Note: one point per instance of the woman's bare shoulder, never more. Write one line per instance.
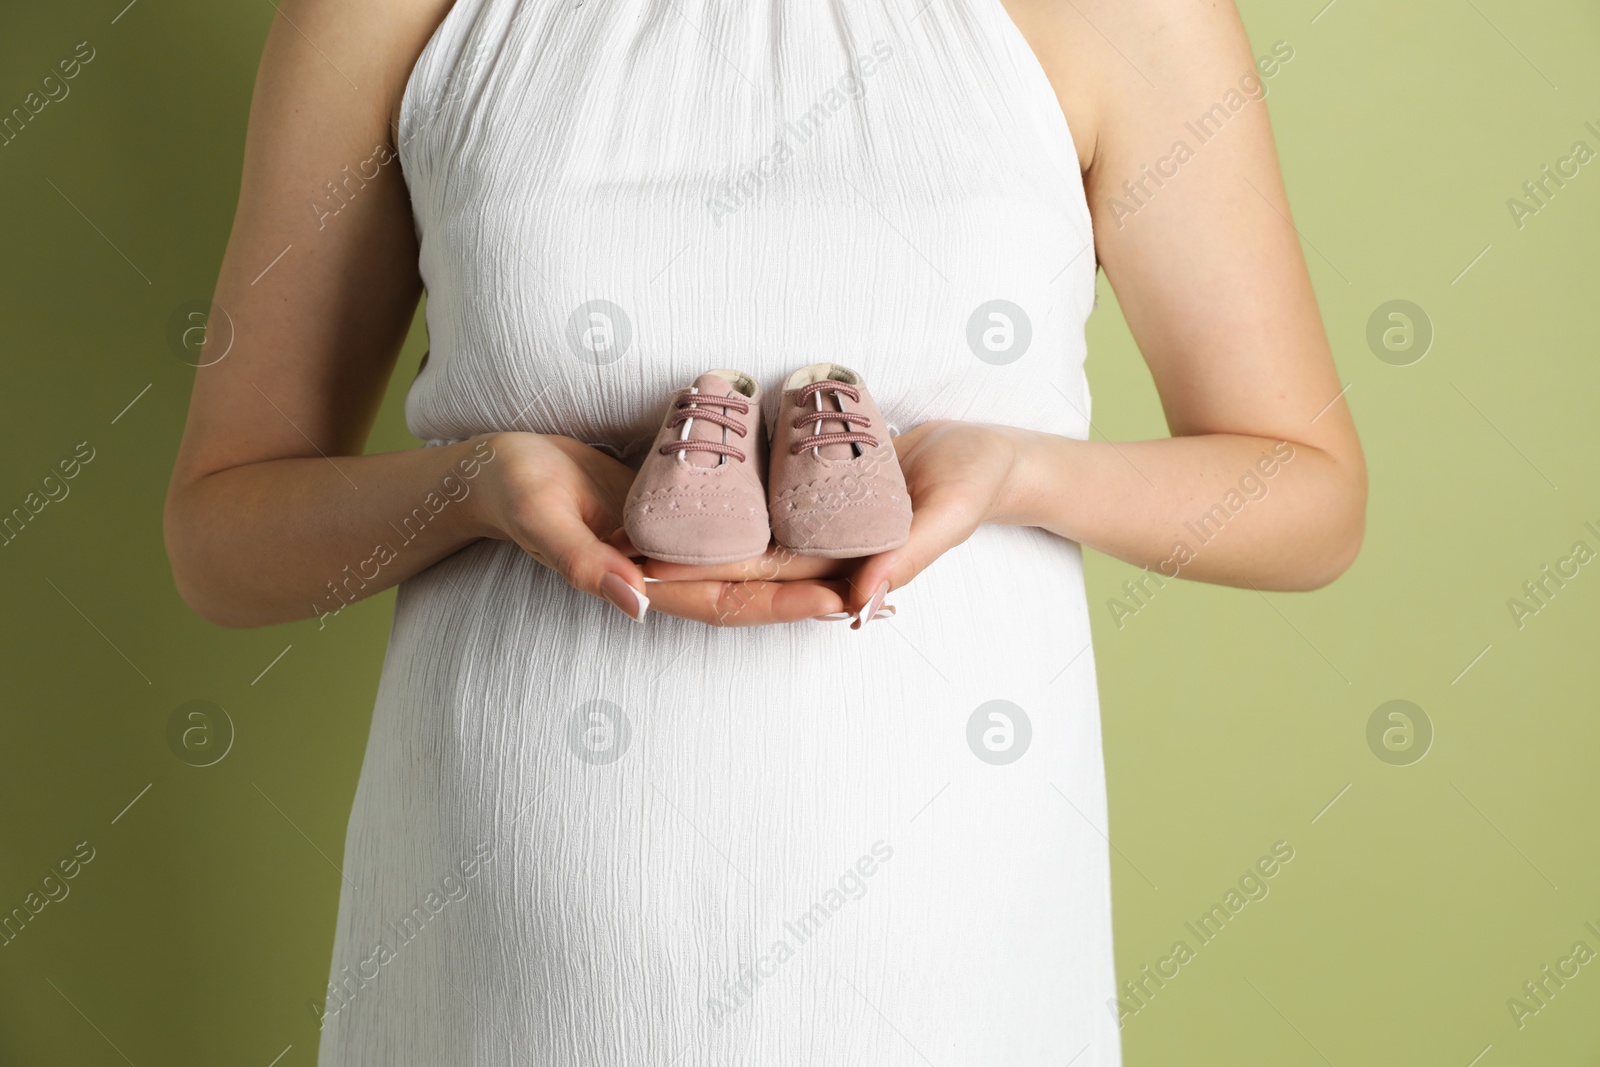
(1102, 55)
(369, 45)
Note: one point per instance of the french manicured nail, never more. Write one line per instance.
(869, 611)
(628, 600)
(837, 616)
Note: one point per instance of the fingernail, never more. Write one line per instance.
(628, 600)
(869, 611)
(837, 616)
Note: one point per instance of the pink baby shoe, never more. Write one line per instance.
(700, 495)
(835, 488)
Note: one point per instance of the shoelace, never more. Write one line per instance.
(689, 407)
(805, 393)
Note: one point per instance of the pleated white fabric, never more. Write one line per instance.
(581, 840)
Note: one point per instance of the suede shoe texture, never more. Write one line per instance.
(700, 494)
(835, 488)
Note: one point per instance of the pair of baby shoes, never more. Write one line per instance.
(717, 487)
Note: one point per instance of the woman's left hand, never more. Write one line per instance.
(959, 475)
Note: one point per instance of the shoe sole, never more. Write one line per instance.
(847, 553)
(673, 557)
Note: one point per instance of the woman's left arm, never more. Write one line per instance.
(1262, 482)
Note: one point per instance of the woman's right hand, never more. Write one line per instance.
(561, 500)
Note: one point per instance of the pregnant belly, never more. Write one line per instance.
(758, 838)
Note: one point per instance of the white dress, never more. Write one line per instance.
(579, 840)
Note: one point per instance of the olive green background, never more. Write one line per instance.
(1420, 897)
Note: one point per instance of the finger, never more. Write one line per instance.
(936, 527)
(619, 540)
(748, 603)
(887, 611)
(567, 545)
(776, 564)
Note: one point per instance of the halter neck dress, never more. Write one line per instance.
(581, 840)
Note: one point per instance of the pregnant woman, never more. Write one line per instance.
(791, 810)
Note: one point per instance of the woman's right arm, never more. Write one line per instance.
(273, 512)
(270, 498)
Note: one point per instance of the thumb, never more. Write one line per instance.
(568, 546)
(936, 527)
